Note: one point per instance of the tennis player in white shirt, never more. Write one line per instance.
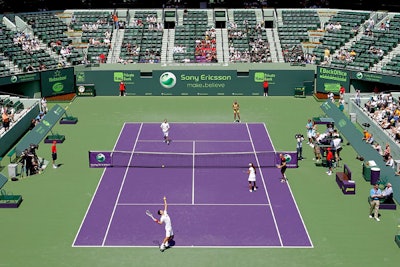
(252, 177)
(165, 129)
(169, 233)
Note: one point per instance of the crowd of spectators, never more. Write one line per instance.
(205, 49)
(248, 43)
(385, 110)
(26, 42)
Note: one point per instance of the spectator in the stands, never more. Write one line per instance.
(366, 135)
(33, 124)
(115, 21)
(6, 121)
(389, 162)
(102, 58)
(386, 152)
(378, 148)
(370, 139)
(11, 114)
(357, 98)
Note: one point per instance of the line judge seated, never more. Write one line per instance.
(387, 194)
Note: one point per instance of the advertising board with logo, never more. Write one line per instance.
(85, 90)
(57, 82)
(195, 82)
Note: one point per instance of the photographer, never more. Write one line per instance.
(30, 161)
(299, 146)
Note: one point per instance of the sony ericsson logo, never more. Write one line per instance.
(100, 157)
(168, 80)
(359, 75)
(14, 79)
(288, 158)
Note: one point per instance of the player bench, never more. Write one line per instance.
(386, 203)
(8, 200)
(343, 179)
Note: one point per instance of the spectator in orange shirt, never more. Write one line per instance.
(366, 136)
(115, 20)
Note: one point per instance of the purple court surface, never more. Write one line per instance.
(209, 206)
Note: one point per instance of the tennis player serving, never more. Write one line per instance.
(169, 233)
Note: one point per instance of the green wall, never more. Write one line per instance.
(195, 82)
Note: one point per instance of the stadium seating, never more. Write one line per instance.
(295, 28)
(193, 28)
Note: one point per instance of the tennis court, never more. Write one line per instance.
(203, 174)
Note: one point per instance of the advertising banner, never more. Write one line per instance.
(21, 78)
(330, 80)
(57, 82)
(195, 82)
(85, 90)
(100, 159)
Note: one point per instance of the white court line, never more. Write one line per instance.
(200, 141)
(95, 191)
(265, 187)
(195, 204)
(293, 198)
(193, 170)
(121, 187)
(199, 247)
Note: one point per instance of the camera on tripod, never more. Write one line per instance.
(32, 148)
(299, 137)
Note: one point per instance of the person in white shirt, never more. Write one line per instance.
(252, 177)
(390, 161)
(378, 148)
(169, 233)
(165, 129)
(387, 191)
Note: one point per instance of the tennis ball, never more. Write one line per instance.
(162, 166)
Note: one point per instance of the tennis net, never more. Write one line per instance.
(181, 160)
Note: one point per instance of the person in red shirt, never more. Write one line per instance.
(122, 89)
(329, 159)
(102, 58)
(342, 90)
(54, 154)
(265, 85)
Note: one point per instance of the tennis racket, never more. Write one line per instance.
(148, 213)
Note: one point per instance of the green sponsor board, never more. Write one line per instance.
(375, 77)
(330, 79)
(195, 82)
(280, 82)
(200, 83)
(107, 82)
(21, 78)
(85, 90)
(57, 82)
